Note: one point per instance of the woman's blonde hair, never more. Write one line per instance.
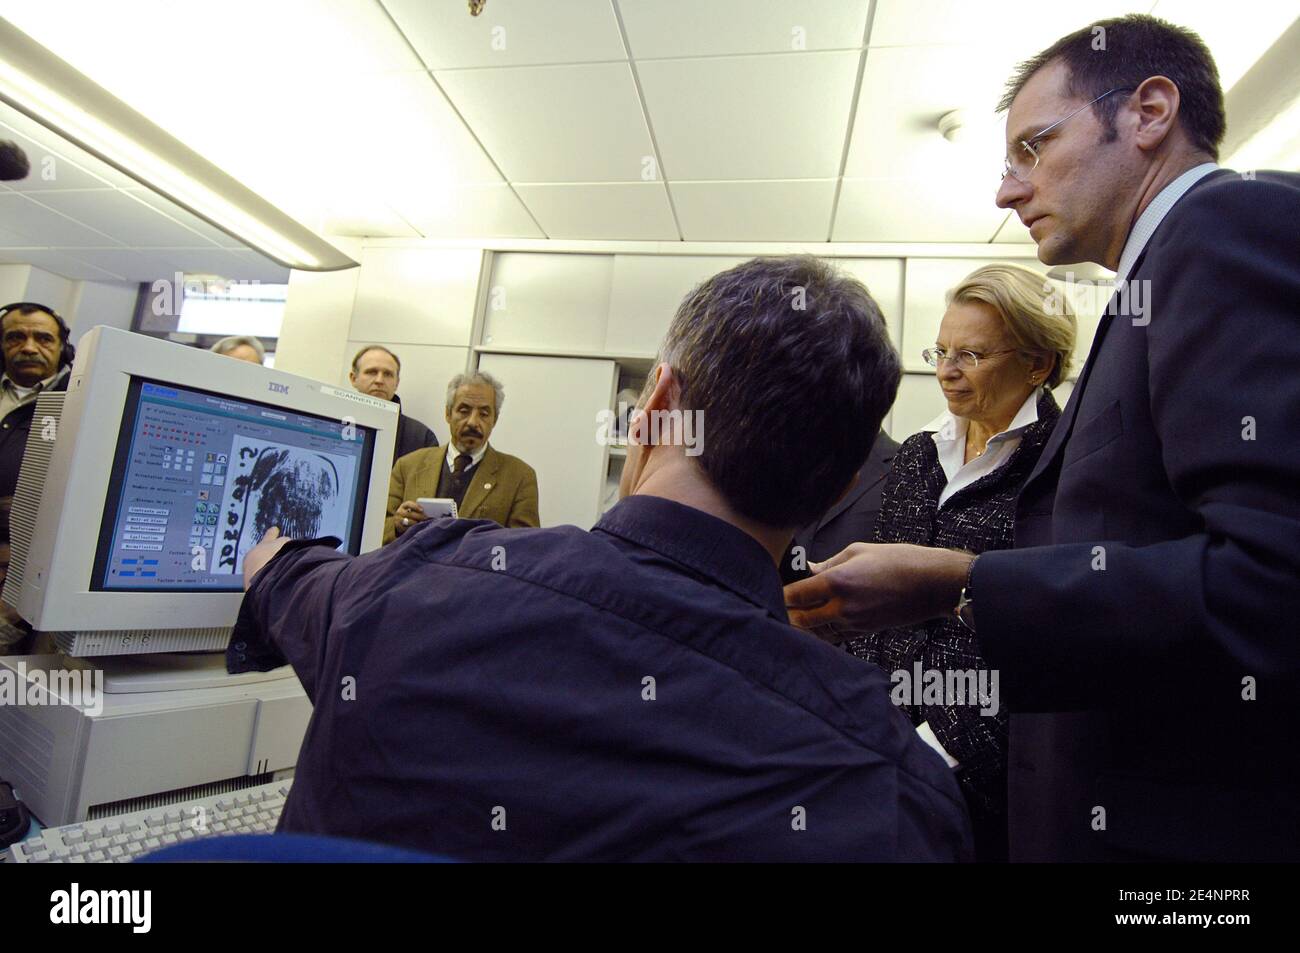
(1037, 313)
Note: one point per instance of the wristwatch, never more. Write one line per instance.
(964, 610)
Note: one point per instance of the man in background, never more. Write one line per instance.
(485, 483)
(377, 371)
(37, 357)
(241, 347)
(635, 692)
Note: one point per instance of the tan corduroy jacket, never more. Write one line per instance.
(503, 488)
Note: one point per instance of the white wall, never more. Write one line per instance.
(83, 304)
(418, 302)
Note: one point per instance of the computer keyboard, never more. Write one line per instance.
(124, 837)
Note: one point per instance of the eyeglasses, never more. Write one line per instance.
(1024, 158)
(934, 356)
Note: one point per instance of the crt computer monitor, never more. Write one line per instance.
(168, 465)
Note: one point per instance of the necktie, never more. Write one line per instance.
(462, 461)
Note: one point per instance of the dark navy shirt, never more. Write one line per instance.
(631, 693)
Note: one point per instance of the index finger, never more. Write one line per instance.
(806, 593)
(827, 612)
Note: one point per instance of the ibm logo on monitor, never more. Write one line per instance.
(278, 388)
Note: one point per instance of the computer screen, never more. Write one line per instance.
(198, 478)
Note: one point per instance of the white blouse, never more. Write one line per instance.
(950, 441)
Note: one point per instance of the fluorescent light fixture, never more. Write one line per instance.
(37, 83)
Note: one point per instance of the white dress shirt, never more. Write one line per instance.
(1154, 214)
(454, 451)
(950, 442)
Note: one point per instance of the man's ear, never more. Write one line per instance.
(662, 396)
(352, 378)
(1157, 101)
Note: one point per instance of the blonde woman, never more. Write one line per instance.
(1004, 343)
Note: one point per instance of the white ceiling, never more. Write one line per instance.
(725, 120)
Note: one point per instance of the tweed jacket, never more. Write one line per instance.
(976, 518)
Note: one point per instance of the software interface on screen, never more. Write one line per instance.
(198, 479)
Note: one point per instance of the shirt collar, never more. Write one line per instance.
(948, 428)
(454, 451)
(7, 381)
(1154, 214)
(711, 547)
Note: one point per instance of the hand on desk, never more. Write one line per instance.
(873, 586)
(262, 553)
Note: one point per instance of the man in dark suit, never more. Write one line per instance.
(377, 371)
(1144, 627)
(851, 520)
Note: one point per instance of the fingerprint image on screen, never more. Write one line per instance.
(301, 491)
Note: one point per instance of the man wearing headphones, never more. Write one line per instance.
(37, 357)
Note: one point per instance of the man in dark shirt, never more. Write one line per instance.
(38, 356)
(377, 371)
(634, 692)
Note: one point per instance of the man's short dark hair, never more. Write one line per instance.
(791, 365)
(1136, 47)
(67, 352)
(356, 361)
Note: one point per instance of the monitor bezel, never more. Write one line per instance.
(56, 595)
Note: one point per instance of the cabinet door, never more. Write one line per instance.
(553, 409)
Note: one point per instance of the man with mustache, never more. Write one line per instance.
(37, 357)
(485, 483)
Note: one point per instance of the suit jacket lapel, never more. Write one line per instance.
(875, 459)
(435, 472)
(1060, 434)
(483, 477)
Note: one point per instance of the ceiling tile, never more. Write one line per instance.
(798, 211)
(896, 135)
(555, 123)
(45, 226)
(192, 222)
(250, 266)
(665, 28)
(50, 169)
(509, 32)
(127, 263)
(470, 211)
(73, 167)
(750, 117)
(914, 210)
(377, 221)
(999, 35)
(623, 211)
(122, 216)
(57, 262)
